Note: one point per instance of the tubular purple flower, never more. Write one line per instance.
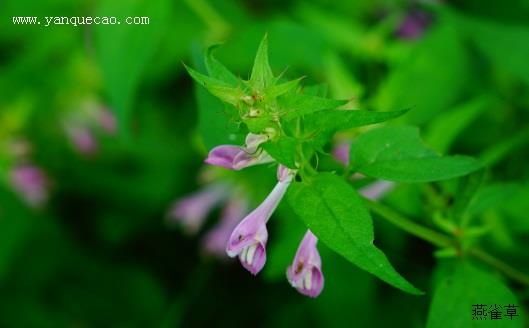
(223, 156)
(248, 239)
(192, 210)
(215, 240)
(377, 189)
(305, 273)
(31, 183)
(236, 158)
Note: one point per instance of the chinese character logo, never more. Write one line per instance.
(494, 312)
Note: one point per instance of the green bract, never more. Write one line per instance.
(299, 120)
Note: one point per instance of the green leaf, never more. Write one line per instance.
(318, 90)
(217, 70)
(464, 287)
(397, 153)
(216, 120)
(294, 105)
(330, 121)
(262, 75)
(124, 51)
(280, 89)
(283, 151)
(218, 88)
(335, 213)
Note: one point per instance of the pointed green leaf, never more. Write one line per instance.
(335, 213)
(319, 90)
(218, 88)
(262, 75)
(397, 153)
(294, 105)
(217, 121)
(217, 70)
(280, 89)
(462, 288)
(326, 123)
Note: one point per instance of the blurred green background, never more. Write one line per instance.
(101, 130)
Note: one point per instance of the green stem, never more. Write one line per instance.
(409, 226)
(500, 265)
(444, 241)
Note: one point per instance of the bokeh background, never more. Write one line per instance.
(102, 131)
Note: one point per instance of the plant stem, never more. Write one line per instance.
(500, 265)
(444, 241)
(408, 225)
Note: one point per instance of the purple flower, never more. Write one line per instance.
(237, 158)
(192, 210)
(248, 239)
(31, 183)
(83, 139)
(341, 152)
(107, 120)
(216, 239)
(377, 189)
(305, 272)
(413, 25)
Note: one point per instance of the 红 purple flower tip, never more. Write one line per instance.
(237, 158)
(223, 156)
(305, 273)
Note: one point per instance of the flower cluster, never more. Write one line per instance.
(248, 239)
(285, 125)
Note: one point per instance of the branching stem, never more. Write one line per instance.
(444, 241)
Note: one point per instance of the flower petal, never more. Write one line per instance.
(223, 156)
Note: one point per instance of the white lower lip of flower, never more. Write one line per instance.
(250, 253)
(308, 280)
(243, 253)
